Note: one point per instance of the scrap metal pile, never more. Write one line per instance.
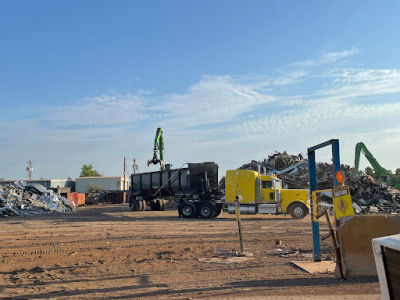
(369, 194)
(28, 199)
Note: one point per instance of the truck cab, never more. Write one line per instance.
(262, 193)
(270, 188)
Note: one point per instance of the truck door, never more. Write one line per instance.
(267, 193)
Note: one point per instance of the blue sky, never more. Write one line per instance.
(228, 81)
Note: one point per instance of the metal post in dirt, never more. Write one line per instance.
(237, 213)
(312, 169)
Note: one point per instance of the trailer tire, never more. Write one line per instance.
(161, 204)
(298, 210)
(155, 204)
(131, 203)
(135, 204)
(188, 210)
(142, 205)
(207, 210)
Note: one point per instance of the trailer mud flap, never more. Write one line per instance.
(354, 234)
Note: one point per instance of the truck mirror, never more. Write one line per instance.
(271, 196)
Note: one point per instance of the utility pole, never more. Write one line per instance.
(29, 168)
(134, 166)
(124, 172)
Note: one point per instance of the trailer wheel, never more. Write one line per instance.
(135, 204)
(207, 210)
(155, 204)
(188, 210)
(298, 210)
(161, 204)
(142, 205)
(131, 203)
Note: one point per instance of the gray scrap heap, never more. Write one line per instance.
(370, 195)
(21, 198)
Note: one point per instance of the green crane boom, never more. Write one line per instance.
(379, 171)
(158, 146)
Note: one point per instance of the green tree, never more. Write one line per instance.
(397, 172)
(388, 172)
(369, 171)
(87, 171)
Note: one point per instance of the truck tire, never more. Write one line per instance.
(298, 210)
(218, 211)
(207, 210)
(189, 210)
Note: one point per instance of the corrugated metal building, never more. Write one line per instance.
(47, 183)
(112, 183)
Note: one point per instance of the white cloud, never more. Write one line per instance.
(213, 100)
(102, 110)
(324, 117)
(335, 56)
(291, 78)
(326, 58)
(226, 119)
(358, 83)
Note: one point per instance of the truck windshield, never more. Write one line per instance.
(267, 184)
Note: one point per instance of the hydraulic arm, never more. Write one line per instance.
(379, 171)
(158, 147)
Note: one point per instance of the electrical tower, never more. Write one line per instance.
(29, 169)
(124, 173)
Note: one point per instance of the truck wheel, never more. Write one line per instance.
(218, 211)
(207, 210)
(298, 210)
(189, 210)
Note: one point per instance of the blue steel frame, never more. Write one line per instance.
(313, 187)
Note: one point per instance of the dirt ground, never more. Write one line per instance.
(110, 252)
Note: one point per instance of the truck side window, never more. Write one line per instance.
(267, 184)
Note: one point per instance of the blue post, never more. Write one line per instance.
(336, 160)
(313, 186)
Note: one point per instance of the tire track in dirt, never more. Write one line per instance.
(109, 239)
(107, 248)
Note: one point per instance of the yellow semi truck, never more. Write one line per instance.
(263, 194)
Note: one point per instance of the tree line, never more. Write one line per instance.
(394, 178)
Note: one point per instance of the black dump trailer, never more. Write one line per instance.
(193, 188)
